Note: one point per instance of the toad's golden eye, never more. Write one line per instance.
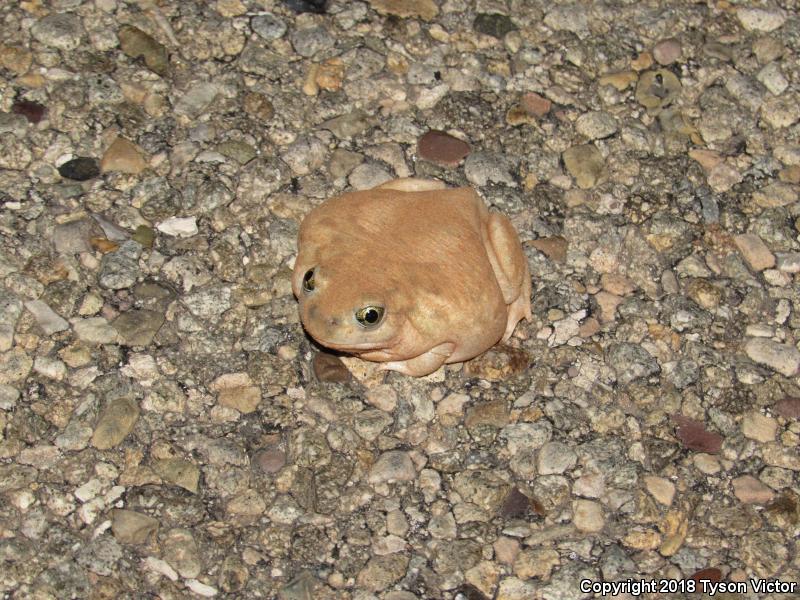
(308, 281)
(369, 316)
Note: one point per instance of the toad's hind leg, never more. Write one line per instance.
(424, 364)
(510, 266)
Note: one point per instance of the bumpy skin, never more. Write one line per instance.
(451, 275)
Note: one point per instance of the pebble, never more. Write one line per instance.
(115, 423)
(8, 396)
(442, 149)
(311, 41)
(596, 125)
(270, 461)
(587, 515)
(773, 79)
(783, 358)
(123, 156)
(395, 465)
(49, 367)
(201, 589)
(723, 177)
(135, 43)
(131, 527)
(754, 251)
(667, 51)
(258, 106)
(761, 428)
(310, 6)
(268, 26)
(161, 567)
(179, 226)
(197, 99)
(631, 362)
(776, 194)
(381, 572)
(657, 90)
(788, 408)
(120, 268)
(493, 24)
(760, 19)
(59, 30)
(425, 9)
(80, 169)
(236, 390)
(663, 490)
(367, 176)
(180, 550)
(383, 397)
(585, 164)
(180, 472)
(32, 111)
(95, 330)
(328, 368)
(750, 490)
(138, 327)
(555, 458)
(483, 168)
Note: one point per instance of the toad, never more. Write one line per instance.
(410, 274)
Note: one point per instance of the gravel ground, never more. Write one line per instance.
(166, 428)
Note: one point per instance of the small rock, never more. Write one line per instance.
(15, 59)
(555, 458)
(120, 268)
(776, 194)
(95, 330)
(694, 436)
(667, 51)
(201, 589)
(723, 177)
(197, 99)
(131, 527)
(59, 30)
(312, 40)
(156, 565)
(750, 490)
(348, 126)
(115, 423)
(760, 19)
(773, 79)
(138, 327)
(663, 490)
(759, 427)
(482, 168)
(554, 248)
(498, 363)
(32, 111)
(135, 43)
(657, 89)
(534, 104)
(382, 396)
(50, 367)
(788, 408)
(123, 156)
(177, 471)
(783, 358)
(754, 251)
(328, 368)
(596, 125)
(179, 226)
(395, 465)
(781, 111)
(631, 362)
(442, 149)
(425, 9)
(493, 24)
(9, 396)
(381, 572)
(536, 562)
(587, 516)
(80, 169)
(258, 106)
(367, 176)
(585, 164)
(270, 460)
(236, 390)
(180, 551)
(620, 81)
(268, 26)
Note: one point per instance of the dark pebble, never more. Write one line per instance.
(517, 506)
(271, 460)
(80, 169)
(329, 369)
(788, 408)
(443, 149)
(694, 436)
(33, 111)
(311, 6)
(493, 24)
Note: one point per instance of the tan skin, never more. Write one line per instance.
(411, 275)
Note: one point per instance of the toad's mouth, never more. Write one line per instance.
(353, 348)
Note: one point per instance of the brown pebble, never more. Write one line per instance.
(330, 369)
(498, 363)
(32, 111)
(441, 148)
(534, 104)
(788, 408)
(270, 460)
(554, 248)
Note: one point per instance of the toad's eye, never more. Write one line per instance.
(369, 316)
(308, 281)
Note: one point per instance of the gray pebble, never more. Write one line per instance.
(268, 26)
(59, 30)
(483, 168)
(631, 362)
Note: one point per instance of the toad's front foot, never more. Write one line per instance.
(424, 364)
